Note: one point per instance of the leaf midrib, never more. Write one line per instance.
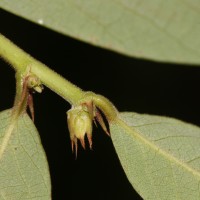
(7, 136)
(9, 130)
(152, 145)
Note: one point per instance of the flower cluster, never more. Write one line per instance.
(80, 120)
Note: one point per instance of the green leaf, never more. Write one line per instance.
(160, 155)
(159, 30)
(24, 171)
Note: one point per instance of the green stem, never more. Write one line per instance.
(21, 95)
(23, 62)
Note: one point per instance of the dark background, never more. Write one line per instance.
(131, 84)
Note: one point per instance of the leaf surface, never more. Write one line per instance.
(160, 155)
(24, 170)
(158, 30)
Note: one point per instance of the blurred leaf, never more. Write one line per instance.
(24, 171)
(160, 155)
(159, 30)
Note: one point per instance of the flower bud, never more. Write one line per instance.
(34, 83)
(79, 124)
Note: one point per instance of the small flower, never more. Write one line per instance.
(79, 124)
(34, 83)
(79, 120)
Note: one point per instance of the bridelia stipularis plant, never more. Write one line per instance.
(31, 75)
(158, 154)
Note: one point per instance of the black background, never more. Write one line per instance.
(131, 84)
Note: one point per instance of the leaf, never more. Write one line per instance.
(24, 171)
(158, 30)
(160, 155)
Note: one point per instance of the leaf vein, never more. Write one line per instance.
(157, 149)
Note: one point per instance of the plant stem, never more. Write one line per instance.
(23, 62)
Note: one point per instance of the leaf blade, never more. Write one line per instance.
(159, 155)
(159, 30)
(24, 169)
